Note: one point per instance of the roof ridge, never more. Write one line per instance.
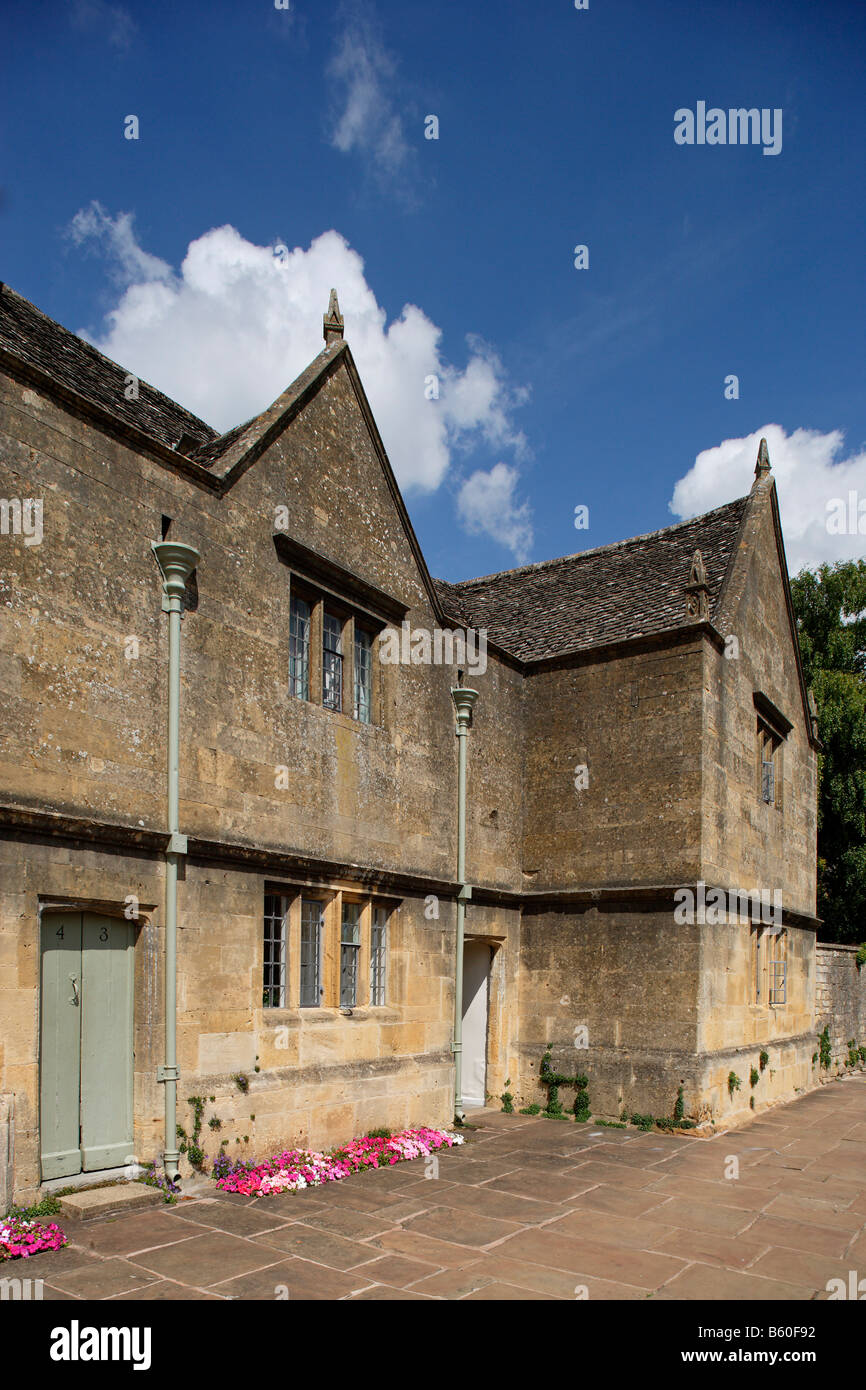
(596, 550)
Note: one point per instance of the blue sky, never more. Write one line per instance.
(558, 386)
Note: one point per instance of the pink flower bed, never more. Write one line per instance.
(24, 1238)
(295, 1169)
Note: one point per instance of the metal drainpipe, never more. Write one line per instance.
(464, 701)
(176, 563)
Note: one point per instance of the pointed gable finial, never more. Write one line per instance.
(698, 571)
(332, 322)
(698, 591)
(762, 467)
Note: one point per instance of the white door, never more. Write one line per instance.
(476, 975)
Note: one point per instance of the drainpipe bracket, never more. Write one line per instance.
(456, 1046)
(465, 893)
(168, 1073)
(177, 843)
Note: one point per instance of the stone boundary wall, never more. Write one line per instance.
(840, 998)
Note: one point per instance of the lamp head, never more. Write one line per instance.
(176, 563)
(464, 701)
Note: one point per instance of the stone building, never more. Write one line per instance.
(642, 750)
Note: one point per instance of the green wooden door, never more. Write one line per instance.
(87, 1021)
(61, 1045)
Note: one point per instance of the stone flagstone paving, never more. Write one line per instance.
(528, 1209)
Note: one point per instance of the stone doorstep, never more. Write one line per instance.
(100, 1201)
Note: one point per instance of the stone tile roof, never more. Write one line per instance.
(36, 339)
(630, 589)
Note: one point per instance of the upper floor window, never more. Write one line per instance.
(773, 728)
(334, 628)
(363, 701)
(332, 661)
(299, 648)
(770, 753)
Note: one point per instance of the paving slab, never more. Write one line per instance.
(236, 1221)
(103, 1279)
(288, 1280)
(617, 1174)
(636, 1233)
(504, 1206)
(801, 1267)
(467, 1228)
(832, 1215)
(454, 1283)
(503, 1292)
(799, 1235)
(49, 1263)
(382, 1293)
(701, 1281)
(355, 1225)
(166, 1291)
(129, 1234)
(398, 1270)
(423, 1247)
(731, 1193)
(554, 1282)
(706, 1247)
(621, 1264)
(307, 1242)
(203, 1259)
(705, 1216)
(524, 1182)
(617, 1201)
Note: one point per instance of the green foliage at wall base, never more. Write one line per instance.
(824, 1049)
(553, 1080)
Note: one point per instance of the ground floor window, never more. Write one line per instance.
(328, 951)
(378, 955)
(769, 967)
(778, 968)
(350, 945)
(312, 924)
(274, 956)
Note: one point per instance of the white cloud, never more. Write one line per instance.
(810, 471)
(115, 22)
(486, 503)
(231, 330)
(365, 75)
(115, 238)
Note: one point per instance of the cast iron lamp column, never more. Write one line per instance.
(464, 701)
(176, 563)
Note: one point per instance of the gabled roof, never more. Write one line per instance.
(81, 376)
(631, 589)
(34, 338)
(615, 593)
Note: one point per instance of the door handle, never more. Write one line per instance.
(74, 1000)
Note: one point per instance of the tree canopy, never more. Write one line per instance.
(830, 605)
